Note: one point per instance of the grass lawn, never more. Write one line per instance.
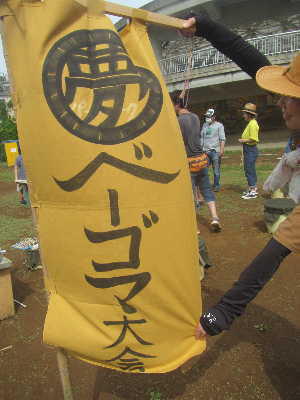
(233, 182)
(15, 219)
(14, 226)
(14, 229)
(6, 174)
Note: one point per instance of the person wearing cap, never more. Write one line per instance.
(213, 143)
(190, 128)
(284, 81)
(249, 141)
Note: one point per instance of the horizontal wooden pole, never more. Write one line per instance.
(138, 13)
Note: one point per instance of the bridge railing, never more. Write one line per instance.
(268, 45)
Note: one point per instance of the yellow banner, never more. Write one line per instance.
(108, 173)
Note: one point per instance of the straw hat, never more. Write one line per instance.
(281, 80)
(250, 108)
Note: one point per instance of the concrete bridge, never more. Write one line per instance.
(216, 76)
(270, 25)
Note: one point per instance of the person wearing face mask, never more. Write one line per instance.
(213, 142)
(284, 81)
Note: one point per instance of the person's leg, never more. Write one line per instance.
(252, 177)
(203, 253)
(20, 194)
(26, 195)
(202, 181)
(250, 156)
(212, 209)
(254, 156)
(195, 195)
(199, 197)
(209, 155)
(246, 163)
(215, 157)
(23, 193)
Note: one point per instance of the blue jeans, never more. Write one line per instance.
(201, 179)
(214, 160)
(250, 155)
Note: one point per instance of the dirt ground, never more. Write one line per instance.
(258, 359)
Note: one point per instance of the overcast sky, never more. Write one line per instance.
(129, 3)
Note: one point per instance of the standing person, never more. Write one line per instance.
(190, 129)
(249, 141)
(20, 178)
(213, 142)
(285, 82)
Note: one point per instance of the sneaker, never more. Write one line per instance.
(215, 225)
(216, 188)
(252, 194)
(35, 267)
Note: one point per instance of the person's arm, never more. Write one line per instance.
(251, 281)
(222, 147)
(279, 177)
(247, 57)
(222, 139)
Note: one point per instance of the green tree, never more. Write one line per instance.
(8, 127)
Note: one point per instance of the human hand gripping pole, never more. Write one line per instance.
(189, 27)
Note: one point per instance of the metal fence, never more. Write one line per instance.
(268, 45)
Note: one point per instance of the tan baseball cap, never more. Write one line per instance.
(281, 80)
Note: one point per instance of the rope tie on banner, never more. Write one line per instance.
(185, 93)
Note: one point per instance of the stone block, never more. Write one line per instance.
(7, 308)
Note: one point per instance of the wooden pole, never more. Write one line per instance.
(63, 368)
(138, 13)
(62, 358)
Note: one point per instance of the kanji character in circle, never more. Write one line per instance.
(96, 92)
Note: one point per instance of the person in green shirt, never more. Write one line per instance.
(249, 141)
